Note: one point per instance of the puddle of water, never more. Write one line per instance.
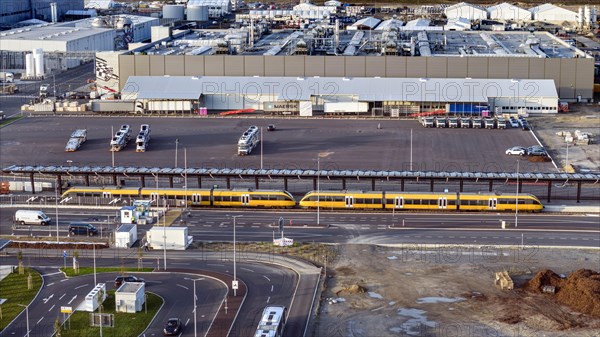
(429, 300)
(375, 295)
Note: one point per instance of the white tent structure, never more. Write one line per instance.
(553, 14)
(506, 11)
(465, 10)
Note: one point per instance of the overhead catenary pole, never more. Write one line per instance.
(517, 198)
(234, 256)
(56, 204)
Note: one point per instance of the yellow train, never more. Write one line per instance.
(421, 201)
(429, 201)
(195, 197)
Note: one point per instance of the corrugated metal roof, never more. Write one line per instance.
(366, 89)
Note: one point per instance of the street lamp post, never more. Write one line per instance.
(567, 159)
(234, 257)
(26, 316)
(517, 198)
(176, 146)
(318, 189)
(56, 205)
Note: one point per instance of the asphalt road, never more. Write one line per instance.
(211, 142)
(270, 285)
(399, 227)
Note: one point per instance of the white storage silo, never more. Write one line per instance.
(29, 66)
(173, 12)
(38, 59)
(197, 13)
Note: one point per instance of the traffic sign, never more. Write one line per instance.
(65, 253)
(234, 285)
(66, 310)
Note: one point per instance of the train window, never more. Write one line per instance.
(377, 201)
(452, 202)
(235, 198)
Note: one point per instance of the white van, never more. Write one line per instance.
(25, 217)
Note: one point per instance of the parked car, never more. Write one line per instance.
(525, 126)
(120, 279)
(536, 150)
(173, 327)
(82, 228)
(514, 123)
(517, 151)
(271, 127)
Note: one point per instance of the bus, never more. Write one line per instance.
(272, 322)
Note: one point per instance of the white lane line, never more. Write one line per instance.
(38, 322)
(246, 269)
(63, 280)
(186, 322)
(268, 279)
(215, 265)
(206, 225)
(63, 295)
(255, 226)
(58, 272)
(268, 299)
(85, 285)
(73, 299)
(48, 299)
(52, 307)
(182, 286)
(271, 288)
(49, 284)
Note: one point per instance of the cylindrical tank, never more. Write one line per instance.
(197, 13)
(38, 59)
(29, 65)
(173, 12)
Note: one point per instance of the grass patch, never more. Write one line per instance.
(126, 324)
(10, 120)
(90, 270)
(14, 289)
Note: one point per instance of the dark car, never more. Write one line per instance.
(525, 126)
(120, 279)
(82, 228)
(271, 127)
(537, 152)
(173, 327)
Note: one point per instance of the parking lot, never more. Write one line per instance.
(296, 143)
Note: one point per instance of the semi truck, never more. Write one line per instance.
(7, 77)
(143, 138)
(248, 141)
(78, 137)
(120, 139)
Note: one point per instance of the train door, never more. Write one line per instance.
(196, 199)
(349, 201)
(245, 199)
(106, 195)
(442, 203)
(492, 203)
(154, 197)
(399, 202)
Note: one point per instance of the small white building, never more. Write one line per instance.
(130, 297)
(368, 23)
(553, 14)
(465, 10)
(458, 24)
(506, 11)
(126, 236)
(175, 238)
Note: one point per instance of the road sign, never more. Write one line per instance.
(65, 253)
(66, 310)
(280, 223)
(234, 285)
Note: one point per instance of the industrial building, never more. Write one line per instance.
(395, 97)
(465, 10)
(351, 54)
(506, 11)
(14, 11)
(553, 14)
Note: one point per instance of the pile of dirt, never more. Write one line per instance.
(580, 291)
(351, 289)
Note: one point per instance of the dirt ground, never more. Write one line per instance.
(447, 291)
(586, 118)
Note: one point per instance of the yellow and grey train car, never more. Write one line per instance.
(194, 197)
(420, 201)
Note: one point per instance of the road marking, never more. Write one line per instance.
(215, 265)
(63, 280)
(255, 226)
(186, 322)
(52, 307)
(85, 285)
(38, 322)
(63, 295)
(268, 299)
(73, 299)
(182, 286)
(206, 225)
(246, 269)
(268, 279)
(181, 263)
(49, 284)
(209, 221)
(48, 299)
(271, 288)
(58, 272)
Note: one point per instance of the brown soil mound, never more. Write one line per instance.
(351, 289)
(580, 291)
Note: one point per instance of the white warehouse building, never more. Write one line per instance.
(506, 11)
(465, 10)
(553, 14)
(55, 38)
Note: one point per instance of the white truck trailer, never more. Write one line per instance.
(175, 238)
(342, 108)
(78, 137)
